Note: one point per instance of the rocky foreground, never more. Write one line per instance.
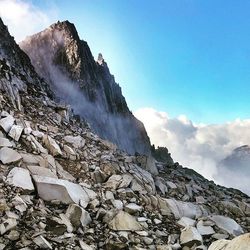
(63, 187)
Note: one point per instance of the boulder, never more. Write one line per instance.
(151, 166)
(186, 222)
(7, 122)
(227, 224)
(4, 142)
(75, 141)
(219, 245)
(42, 242)
(183, 209)
(241, 242)
(7, 225)
(190, 236)
(204, 230)
(37, 170)
(15, 132)
(20, 177)
(133, 208)
(8, 155)
(78, 216)
(124, 222)
(51, 145)
(65, 191)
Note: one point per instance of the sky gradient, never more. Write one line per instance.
(183, 57)
(179, 56)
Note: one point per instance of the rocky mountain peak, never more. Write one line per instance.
(100, 59)
(68, 65)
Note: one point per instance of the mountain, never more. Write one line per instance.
(236, 168)
(66, 63)
(63, 187)
(238, 160)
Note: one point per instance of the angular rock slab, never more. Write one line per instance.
(77, 216)
(204, 230)
(124, 222)
(186, 222)
(190, 236)
(15, 132)
(41, 171)
(76, 141)
(183, 209)
(241, 242)
(20, 177)
(65, 191)
(227, 224)
(8, 155)
(6, 123)
(52, 146)
(4, 142)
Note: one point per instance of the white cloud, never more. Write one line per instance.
(23, 18)
(198, 146)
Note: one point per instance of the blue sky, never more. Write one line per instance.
(187, 57)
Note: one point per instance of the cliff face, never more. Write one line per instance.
(18, 76)
(67, 64)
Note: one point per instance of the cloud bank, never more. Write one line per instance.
(23, 18)
(199, 146)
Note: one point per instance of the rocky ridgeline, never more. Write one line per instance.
(63, 187)
(68, 66)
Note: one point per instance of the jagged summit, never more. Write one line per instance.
(68, 65)
(100, 59)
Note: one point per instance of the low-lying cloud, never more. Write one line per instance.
(24, 19)
(199, 146)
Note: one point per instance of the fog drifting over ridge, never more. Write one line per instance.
(199, 146)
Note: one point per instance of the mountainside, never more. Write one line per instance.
(67, 64)
(63, 187)
(238, 160)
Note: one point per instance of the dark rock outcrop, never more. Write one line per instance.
(67, 64)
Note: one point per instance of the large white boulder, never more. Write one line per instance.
(219, 245)
(8, 155)
(20, 177)
(7, 122)
(4, 142)
(183, 209)
(241, 242)
(227, 224)
(65, 191)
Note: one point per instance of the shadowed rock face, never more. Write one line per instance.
(67, 64)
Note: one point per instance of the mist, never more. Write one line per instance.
(122, 129)
(201, 147)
